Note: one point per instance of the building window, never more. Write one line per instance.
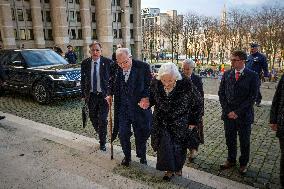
(131, 18)
(28, 14)
(47, 16)
(93, 2)
(30, 34)
(80, 36)
(22, 34)
(15, 34)
(120, 33)
(131, 34)
(48, 35)
(113, 2)
(72, 34)
(71, 15)
(46, 1)
(78, 16)
(13, 14)
(130, 3)
(118, 2)
(114, 17)
(70, 1)
(119, 17)
(94, 34)
(114, 33)
(20, 15)
(77, 1)
(0, 36)
(93, 17)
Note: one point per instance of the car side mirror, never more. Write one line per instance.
(18, 64)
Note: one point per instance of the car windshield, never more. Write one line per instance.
(35, 58)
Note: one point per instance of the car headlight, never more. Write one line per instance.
(58, 77)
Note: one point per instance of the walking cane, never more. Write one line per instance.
(110, 128)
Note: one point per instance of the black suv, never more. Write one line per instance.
(40, 72)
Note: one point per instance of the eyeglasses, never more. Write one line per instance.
(95, 50)
(235, 60)
(123, 62)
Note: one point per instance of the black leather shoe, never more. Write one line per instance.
(227, 165)
(243, 170)
(2, 117)
(103, 148)
(125, 162)
(143, 161)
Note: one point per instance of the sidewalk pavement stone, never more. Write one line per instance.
(263, 169)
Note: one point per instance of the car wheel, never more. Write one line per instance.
(41, 93)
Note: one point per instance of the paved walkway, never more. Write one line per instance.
(263, 169)
(35, 155)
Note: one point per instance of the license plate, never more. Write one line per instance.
(78, 84)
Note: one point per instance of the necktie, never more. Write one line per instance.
(237, 76)
(95, 78)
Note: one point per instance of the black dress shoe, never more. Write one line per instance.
(2, 117)
(103, 148)
(125, 162)
(143, 161)
(227, 165)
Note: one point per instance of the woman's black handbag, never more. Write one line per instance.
(192, 138)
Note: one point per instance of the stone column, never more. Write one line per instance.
(137, 30)
(104, 26)
(6, 25)
(37, 24)
(86, 26)
(125, 22)
(59, 23)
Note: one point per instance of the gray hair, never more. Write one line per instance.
(125, 51)
(190, 62)
(169, 68)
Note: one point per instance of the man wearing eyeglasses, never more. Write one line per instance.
(131, 103)
(237, 93)
(95, 74)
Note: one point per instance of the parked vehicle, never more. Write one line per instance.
(40, 72)
(155, 67)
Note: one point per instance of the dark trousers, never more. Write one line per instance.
(281, 141)
(258, 96)
(141, 133)
(98, 111)
(232, 128)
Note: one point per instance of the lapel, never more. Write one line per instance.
(132, 77)
(102, 64)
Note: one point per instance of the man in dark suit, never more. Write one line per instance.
(2, 81)
(131, 101)
(237, 93)
(95, 74)
(277, 122)
(187, 71)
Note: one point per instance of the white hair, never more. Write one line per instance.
(169, 68)
(189, 62)
(125, 51)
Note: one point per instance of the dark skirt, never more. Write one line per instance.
(170, 155)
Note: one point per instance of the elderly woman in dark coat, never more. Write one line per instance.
(277, 122)
(178, 107)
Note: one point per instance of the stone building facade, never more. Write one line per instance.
(45, 23)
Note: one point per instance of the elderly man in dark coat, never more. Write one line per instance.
(277, 122)
(130, 89)
(2, 81)
(237, 93)
(187, 72)
(178, 108)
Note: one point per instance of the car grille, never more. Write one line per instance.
(74, 75)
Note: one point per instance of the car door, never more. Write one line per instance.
(16, 71)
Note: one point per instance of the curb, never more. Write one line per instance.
(83, 143)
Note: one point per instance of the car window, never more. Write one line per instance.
(35, 58)
(15, 56)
